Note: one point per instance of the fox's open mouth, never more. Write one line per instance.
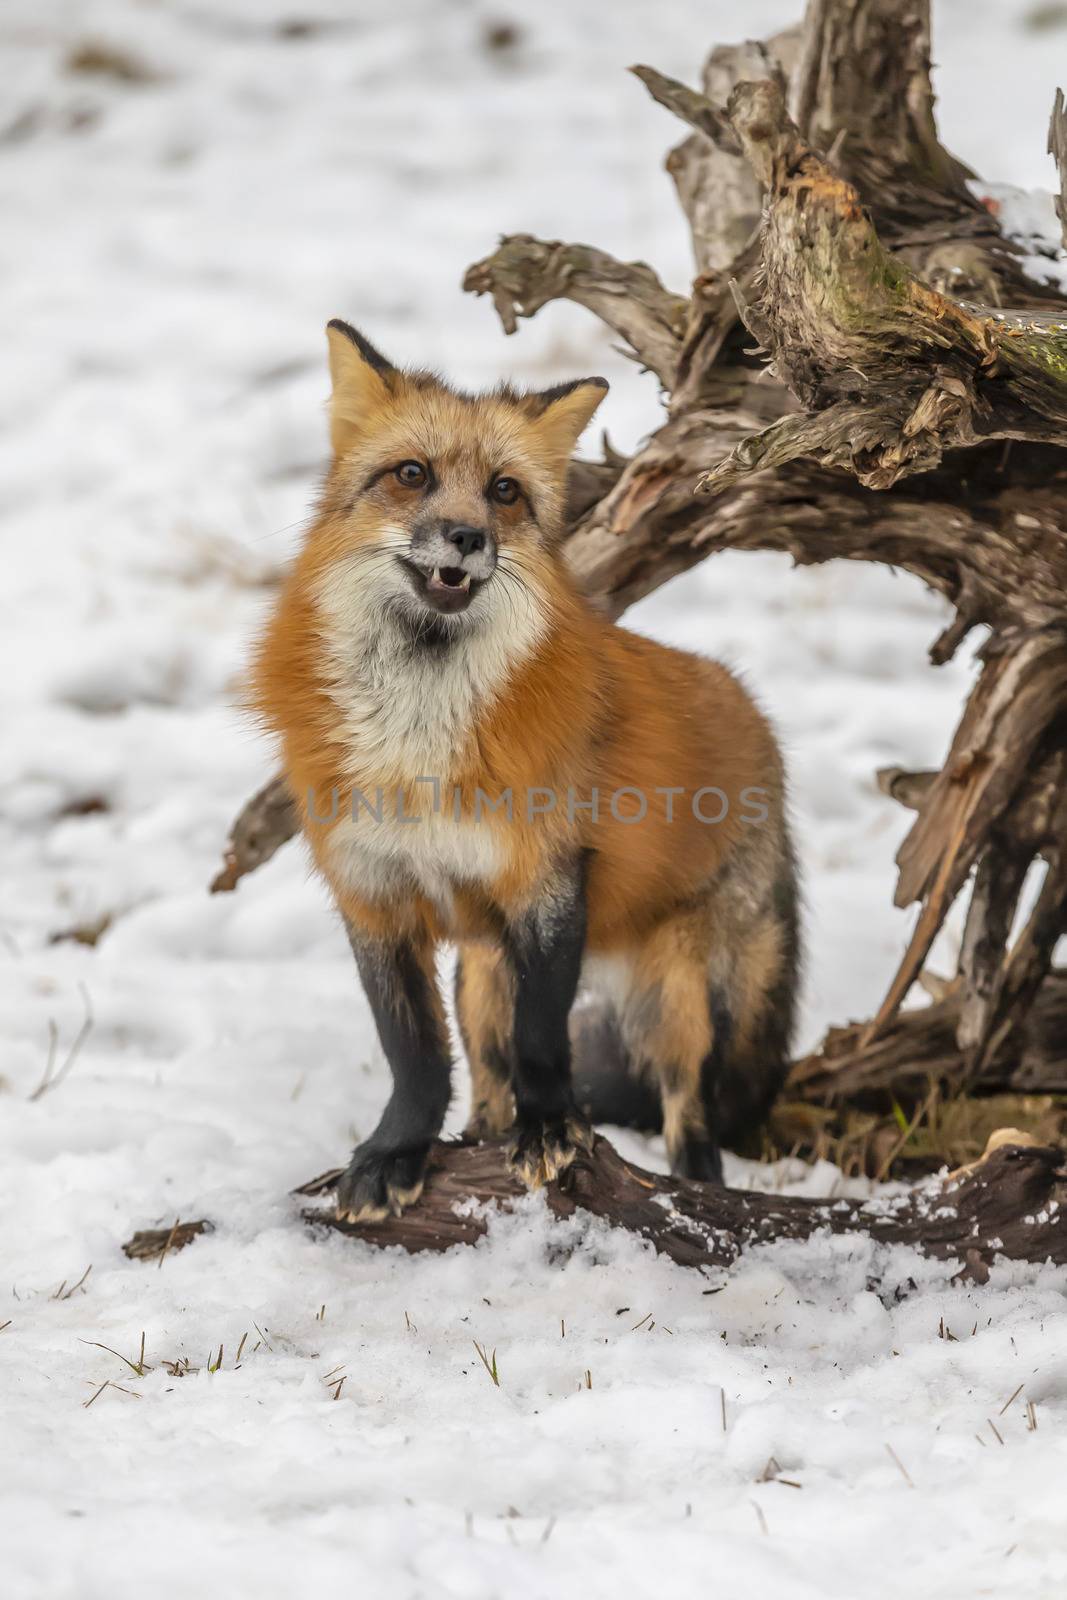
(447, 589)
(449, 578)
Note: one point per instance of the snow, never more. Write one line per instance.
(172, 251)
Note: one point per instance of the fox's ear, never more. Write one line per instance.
(560, 414)
(363, 380)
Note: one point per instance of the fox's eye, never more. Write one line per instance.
(504, 490)
(412, 474)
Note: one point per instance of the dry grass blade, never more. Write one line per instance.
(488, 1362)
(891, 1155)
(53, 1077)
(50, 1060)
(904, 1473)
(137, 1367)
(171, 1236)
(75, 1286)
(1009, 1400)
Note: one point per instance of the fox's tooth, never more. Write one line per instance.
(436, 574)
(466, 581)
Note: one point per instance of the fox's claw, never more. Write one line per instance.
(379, 1184)
(542, 1150)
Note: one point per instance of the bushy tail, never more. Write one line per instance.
(606, 1086)
(742, 1076)
(750, 1074)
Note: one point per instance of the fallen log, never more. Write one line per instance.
(1008, 1204)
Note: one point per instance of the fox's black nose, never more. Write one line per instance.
(466, 540)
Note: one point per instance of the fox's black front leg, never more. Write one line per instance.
(545, 948)
(386, 1171)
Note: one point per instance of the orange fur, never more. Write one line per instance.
(596, 708)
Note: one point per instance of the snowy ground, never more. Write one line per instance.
(172, 249)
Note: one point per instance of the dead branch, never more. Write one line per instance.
(525, 273)
(262, 827)
(922, 1046)
(1057, 149)
(153, 1244)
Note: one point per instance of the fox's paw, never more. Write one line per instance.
(542, 1150)
(380, 1183)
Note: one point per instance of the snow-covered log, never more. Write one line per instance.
(1007, 1204)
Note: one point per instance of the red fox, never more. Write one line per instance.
(480, 758)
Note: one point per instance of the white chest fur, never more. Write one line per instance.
(386, 859)
(410, 711)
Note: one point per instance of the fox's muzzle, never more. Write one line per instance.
(448, 561)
